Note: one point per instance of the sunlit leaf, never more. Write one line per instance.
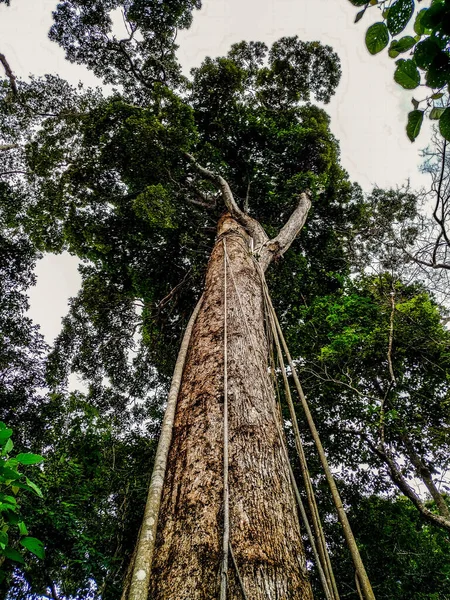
(29, 459)
(377, 38)
(34, 487)
(33, 545)
(8, 447)
(436, 113)
(399, 15)
(407, 74)
(402, 45)
(5, 434)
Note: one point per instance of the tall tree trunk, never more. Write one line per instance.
(264, 528)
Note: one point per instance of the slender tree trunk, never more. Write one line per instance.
(264, 528)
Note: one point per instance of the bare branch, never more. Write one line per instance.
(277, 246)
(424, 473)
(393, 382)
(4, 147)
(253, 228)
(401, 482)
(9, 74)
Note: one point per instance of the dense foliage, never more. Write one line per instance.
(107, 178)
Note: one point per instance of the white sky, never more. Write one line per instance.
(368, 112)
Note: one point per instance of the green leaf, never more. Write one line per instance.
(432, 16)
(9, 499)
(402, 45)
(29, 459)
(34, 487)
(359, 2)
(13, 555)
(418, 25)
(415, 103)
(377, 38)
(425, 52)
(444, 124)
(415, 119)
(437, 96)
(438, 73)
(406, 74)
(33, 545)
(436, 113)
(360, 15)
(8, 447)
(3, 538)
(5, 434)
(22, 528)
(9, 474)
(399, 15)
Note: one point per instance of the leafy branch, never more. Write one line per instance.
(11, 482)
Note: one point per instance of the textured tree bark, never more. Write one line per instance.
(264, 528)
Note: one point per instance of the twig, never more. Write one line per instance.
(9, 74)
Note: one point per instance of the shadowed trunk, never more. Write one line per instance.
(264, 529)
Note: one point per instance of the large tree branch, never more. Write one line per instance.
(403, 485)
(9, 74)
(425, 475)
(4, 147)
(252, 226)
(400, 480)
(276, 247)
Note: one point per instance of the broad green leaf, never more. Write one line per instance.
(5, 434)
(377, 37)
(29, 459)
(13, 555)
(359, 2)
(436, 113)
(9, 474)
(438, 73)
(407, 74)
(34, 487)
(8, 499)
(399, 15)
(444, 124)
(22, 528)
(402, 45)
(33, 545)
(425, 52)
(418, 25)
(433, 15)
(437, 96)
(8, 447)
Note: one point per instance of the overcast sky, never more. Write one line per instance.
(368, 112)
